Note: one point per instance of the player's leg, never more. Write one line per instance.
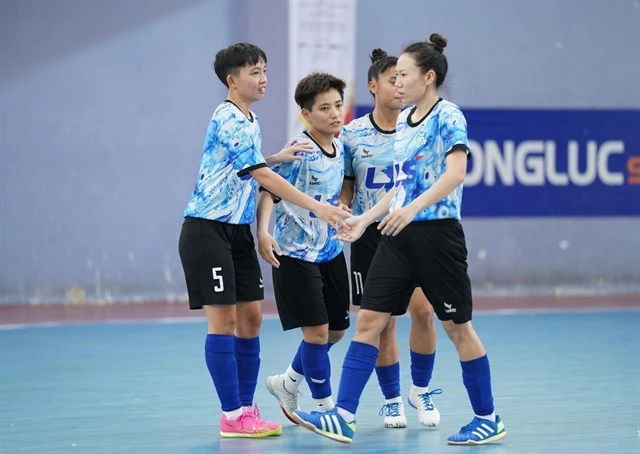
(422, 345)
(387, 365)
(205, 253)
(388, 372)
(298, 291)
(387, 288)
(447, 285)
(249, 295)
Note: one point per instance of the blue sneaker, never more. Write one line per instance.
(327, 423)
(478, 432)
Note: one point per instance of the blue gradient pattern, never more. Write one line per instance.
(222, 192)
(419, 159)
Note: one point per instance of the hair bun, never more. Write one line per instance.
(439, 41)
(377, 55)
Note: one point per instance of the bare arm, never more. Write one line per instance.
(379, 209)
(264, 211)
(280, 187)
(346, 194)
(452, 177)
(267, 245)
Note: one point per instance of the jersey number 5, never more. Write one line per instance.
(216, 277)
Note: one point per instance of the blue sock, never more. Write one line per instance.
(296, 364)
(422, 368)
(476, 377)
(218, 353)
(247, 352)
(389, 380)
(317, 369)
(356, 370)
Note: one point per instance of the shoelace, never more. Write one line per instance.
(392, 409)
(426, 398)
(475, 422)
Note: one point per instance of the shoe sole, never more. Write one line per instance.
(396, 425)
(492, 439)
(329, 435)
(431, 426)
(270, 433)
(287, 415)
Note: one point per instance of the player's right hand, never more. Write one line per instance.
(334, 216)
(266, 247)
(357, 226)
(293, 151)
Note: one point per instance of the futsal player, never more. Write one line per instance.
(422, 242)
(216, 246)
(310, 277)
(368, 144)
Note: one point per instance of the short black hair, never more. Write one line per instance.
(232, 59)
(315, 84)
(430, 56)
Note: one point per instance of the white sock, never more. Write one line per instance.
(325, 404)
(233, 415)
(415, 390)
(292, 380)
(491, 417)
(395, 400)
(346, 415)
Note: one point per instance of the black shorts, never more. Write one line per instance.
(432, 254)
(312, 294)
(362, 252)
(220, 263)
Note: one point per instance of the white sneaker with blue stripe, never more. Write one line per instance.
(428, 414)
(479, 432)
(328, 424)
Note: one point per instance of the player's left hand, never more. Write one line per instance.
(292, 151)
(397, 220)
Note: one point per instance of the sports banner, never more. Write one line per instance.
(552, 163)
(322, 37)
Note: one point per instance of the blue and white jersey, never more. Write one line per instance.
(419, 158)
(225, 191)
(299, 233)
(368, 159)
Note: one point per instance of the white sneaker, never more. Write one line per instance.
(394, 416)
(288, 402)
(428, 414)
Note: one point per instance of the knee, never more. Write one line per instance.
(422, 313)
(458, 333)
(370, 322)
(316, 334)
(252, 318)
(221, 319)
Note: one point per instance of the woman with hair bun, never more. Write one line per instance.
(422, 241)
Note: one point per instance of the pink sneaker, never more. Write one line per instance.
(248, 425)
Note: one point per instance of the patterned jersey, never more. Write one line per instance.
(368, 159)
(298, 232)
(419, 158)
(225, 191)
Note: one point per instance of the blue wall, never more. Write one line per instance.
(105, 105)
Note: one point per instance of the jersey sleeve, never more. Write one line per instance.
(453, 130)
(241, 148)
(348, 155)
